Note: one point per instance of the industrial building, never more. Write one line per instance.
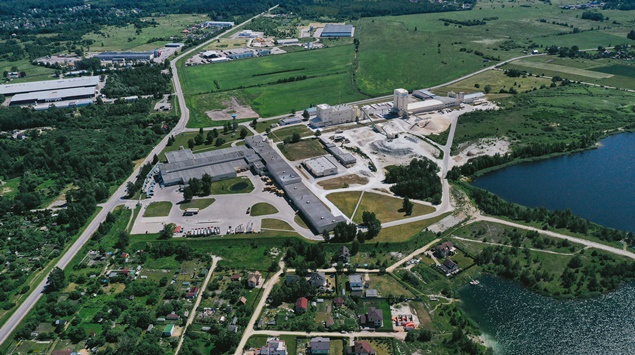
(430, 101)
(218, 24)
(126, 56)
(288, 41)
(328, 115)
(63, 104)
(221, 164)
(316, 213)
(210, 54)
(241, 53)
(48, 85)
(320, 167)
(174, 45)
(346, 159)
(334, 30)
(39, 97)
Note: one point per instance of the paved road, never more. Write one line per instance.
(215, 260)
(112, 202)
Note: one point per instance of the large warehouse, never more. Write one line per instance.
(221, 164)
(320, 166)
(125, 56)
(335, 30)
(316, 213)
(48, 85)
(39, 97)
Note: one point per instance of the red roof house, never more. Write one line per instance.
(301, 305)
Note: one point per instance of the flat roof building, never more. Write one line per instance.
(287, 41)
(320, 166)
(335, 30)
(47, 85)
(32, 98)
(126, 56)
(316, 213)
(218, 23)
(346, 159)
(328, 115)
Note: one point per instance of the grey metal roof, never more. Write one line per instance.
(11, 89)
(320, 344)
(319, 165)
(333, 28)
(53, 95)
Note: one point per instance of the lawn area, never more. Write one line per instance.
(497, 80)
(200, 203)
(272, 223)
(237, 185)
(345, 201)
(386, 286)
(406, 231)
(343, 182)
(256, 81)
(262, 209)
(287, 132)
(298, 219)
(385, 310)
(33, 72)
(181, 140)
(304, 149)
(116, 38)
(158, 209)
(387, 208)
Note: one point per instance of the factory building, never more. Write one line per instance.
(334, 30)
(320, 167)
(174, 45)
(400, 101)
(39, 97)
(210, 54)
(126, 56)
(346, 159)
(241, 54)
(288, 41)
(328, 115)
(316, 213)
(221, 164)
(48, 85)
(218, 24)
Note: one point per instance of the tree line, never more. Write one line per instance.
(418, 180)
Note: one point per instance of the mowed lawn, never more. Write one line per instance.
(262, 209)
(304, 149)
(345, 201)
(158, 209)
(387, 208)
(200, 203)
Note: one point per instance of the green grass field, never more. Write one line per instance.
(387, 208)
(262, 209)
(272, 223)
(200, 203)
(256, 81)
(158, 209)
(115, 38)
(237, 185)
(9, 188)
(345, 201)
(404, 232)
(280, 134)
(304, 149)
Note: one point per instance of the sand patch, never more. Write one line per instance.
(233, 107)
(486, 146)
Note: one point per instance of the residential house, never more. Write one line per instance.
(373, 318)
(356, 282)
(444, 250)
(253, 279)
(193, 292)
(291, 279)
(168, 330)
(372, 293)
(236, 277)
(320, 345)
(318, 280)
(242, 300)
(449, 267)
(361, 347)
(344, 255)
(301, 305)
(338, 301)
(173, 316)
(274, 346)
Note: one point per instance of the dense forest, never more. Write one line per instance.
(418, 180)
(141, 80)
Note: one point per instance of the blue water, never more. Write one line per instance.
(517, 321)
(598, 184)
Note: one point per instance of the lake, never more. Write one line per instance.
(516, 320)
(598, 184)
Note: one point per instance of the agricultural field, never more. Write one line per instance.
(455, 50)
(606, 72)
(263, 82)
(128, 38)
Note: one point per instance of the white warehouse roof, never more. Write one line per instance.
(53, 95)
(12, 89)
(422, 105)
